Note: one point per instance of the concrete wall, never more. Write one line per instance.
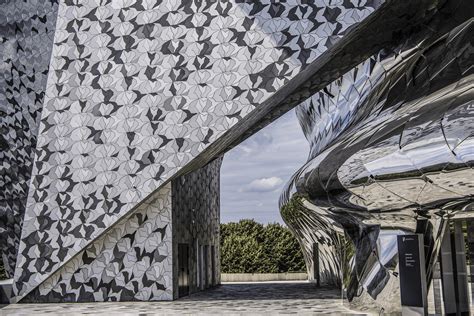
(259, 277)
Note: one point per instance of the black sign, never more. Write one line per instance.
(412, 270)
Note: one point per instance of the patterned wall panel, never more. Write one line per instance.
(137, 259)
(137, 89)
(130, 262)
(196, 222)
(26, 38)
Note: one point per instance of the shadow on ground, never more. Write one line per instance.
(228, 299)
(265, 291)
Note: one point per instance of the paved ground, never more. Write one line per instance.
(229, 299)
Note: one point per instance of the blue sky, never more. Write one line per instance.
(254, 173)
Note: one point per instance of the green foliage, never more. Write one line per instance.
(250, 247)
(241, 254)
(293, 209)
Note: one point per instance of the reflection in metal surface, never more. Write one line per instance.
(392, 152)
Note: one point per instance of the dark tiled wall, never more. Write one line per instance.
(196, 219)
(26, 39)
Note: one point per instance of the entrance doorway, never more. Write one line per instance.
(206, 266)
(213, 265)
(183, 272)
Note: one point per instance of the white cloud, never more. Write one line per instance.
(276, 151)
(253, 145)
(263, 184)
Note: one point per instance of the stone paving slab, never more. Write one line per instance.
(263, 298)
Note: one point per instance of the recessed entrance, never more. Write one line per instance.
(183, 266)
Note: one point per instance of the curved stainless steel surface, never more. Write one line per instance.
(392, 152)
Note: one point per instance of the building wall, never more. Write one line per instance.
(131, 262)
(26, 39)
(145, 87)
(137, 260)
(196, 222)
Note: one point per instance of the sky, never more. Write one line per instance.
(254, 173)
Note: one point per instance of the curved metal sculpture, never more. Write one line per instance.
(392, 151)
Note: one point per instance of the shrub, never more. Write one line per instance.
(250, 247)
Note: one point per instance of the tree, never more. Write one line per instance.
(282, 249)
(241, 254)
(250, 247)
(245, 227)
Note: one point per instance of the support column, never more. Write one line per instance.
(454, 272)
(316, 276)
(437, 288)
(461, 269)
(470, 249)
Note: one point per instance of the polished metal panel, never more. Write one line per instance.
(392, 151)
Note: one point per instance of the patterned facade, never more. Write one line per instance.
(137, 259)
(196, 222)
(26, 37)
(136, 91)
(130, 262)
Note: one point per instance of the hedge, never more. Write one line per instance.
(250, 247)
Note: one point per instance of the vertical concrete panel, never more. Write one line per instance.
(470, 249)
(461, 269)
(447, 274)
